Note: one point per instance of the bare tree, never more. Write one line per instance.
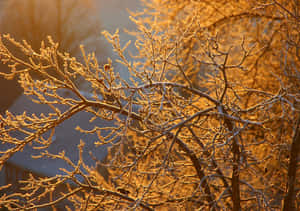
(209, 120)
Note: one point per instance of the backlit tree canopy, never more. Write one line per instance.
(208, 121)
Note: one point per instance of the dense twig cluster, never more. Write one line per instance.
(208, 120)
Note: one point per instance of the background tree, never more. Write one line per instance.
(68, 22)
(209, 120)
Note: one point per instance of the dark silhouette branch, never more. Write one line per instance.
(289, 200)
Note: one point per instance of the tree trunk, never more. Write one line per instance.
(289, 200)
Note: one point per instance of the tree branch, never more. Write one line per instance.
(289, 200)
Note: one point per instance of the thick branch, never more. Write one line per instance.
(218, 170)
(200, 172)
(177, 85)
(235, 183)
(289, 201)
(113, 108)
